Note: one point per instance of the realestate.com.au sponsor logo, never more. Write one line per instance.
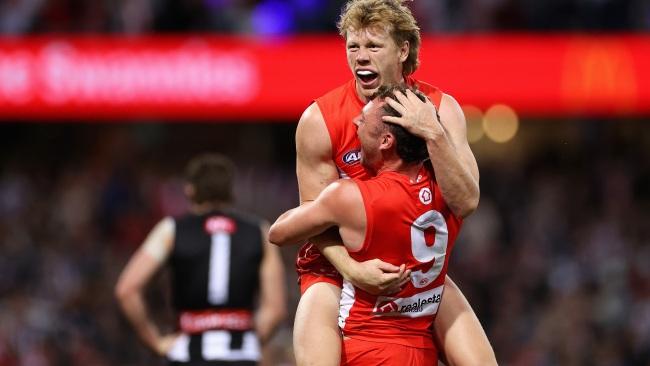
(422, 304)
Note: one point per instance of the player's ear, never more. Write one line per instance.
(404, 51)
(189, 191)
(387, 141)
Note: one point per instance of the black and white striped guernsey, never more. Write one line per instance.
(215, 267)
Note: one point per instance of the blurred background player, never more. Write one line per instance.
(221, 264)
(385, 217)
(382, 47)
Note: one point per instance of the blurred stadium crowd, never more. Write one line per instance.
(77, 200)
(555, 261)
(299, 16)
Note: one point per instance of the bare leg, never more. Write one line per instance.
(459, 333)
(316, 335)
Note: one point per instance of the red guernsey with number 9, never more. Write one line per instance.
(407, 222)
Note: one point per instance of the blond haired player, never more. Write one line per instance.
(382, 43)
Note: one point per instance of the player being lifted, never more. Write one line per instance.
(382, 43)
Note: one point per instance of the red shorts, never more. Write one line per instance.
(312, 267)
(356, 352)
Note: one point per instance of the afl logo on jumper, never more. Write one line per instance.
(425, 195)
(352, 157)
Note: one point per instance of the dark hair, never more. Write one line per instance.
(211, 175)
(409, 147)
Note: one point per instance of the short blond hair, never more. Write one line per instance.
(392, 14)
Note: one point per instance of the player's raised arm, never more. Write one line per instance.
(452, 159)
(453, 121)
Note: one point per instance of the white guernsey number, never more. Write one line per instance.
(426, 253)
(219, 276)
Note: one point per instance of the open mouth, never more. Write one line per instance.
(366, 76)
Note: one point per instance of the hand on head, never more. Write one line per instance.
(418, 117)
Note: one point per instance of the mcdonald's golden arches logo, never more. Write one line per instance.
(599, 75)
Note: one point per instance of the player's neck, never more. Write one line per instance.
(205, 207)
(411, 170)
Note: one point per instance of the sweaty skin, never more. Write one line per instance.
(457, 329)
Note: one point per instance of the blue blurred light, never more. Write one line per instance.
(311, 7)
(273, 17)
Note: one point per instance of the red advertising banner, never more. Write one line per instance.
(215, 78)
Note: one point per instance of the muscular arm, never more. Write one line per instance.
(301, 223)
(129, 289)
(273, 304)
(315, 170)
(452, 159)
(457, 329)
(339, 204)
(314, 166)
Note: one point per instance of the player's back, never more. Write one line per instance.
(215, 261)
(215, 272)
(407, 222)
